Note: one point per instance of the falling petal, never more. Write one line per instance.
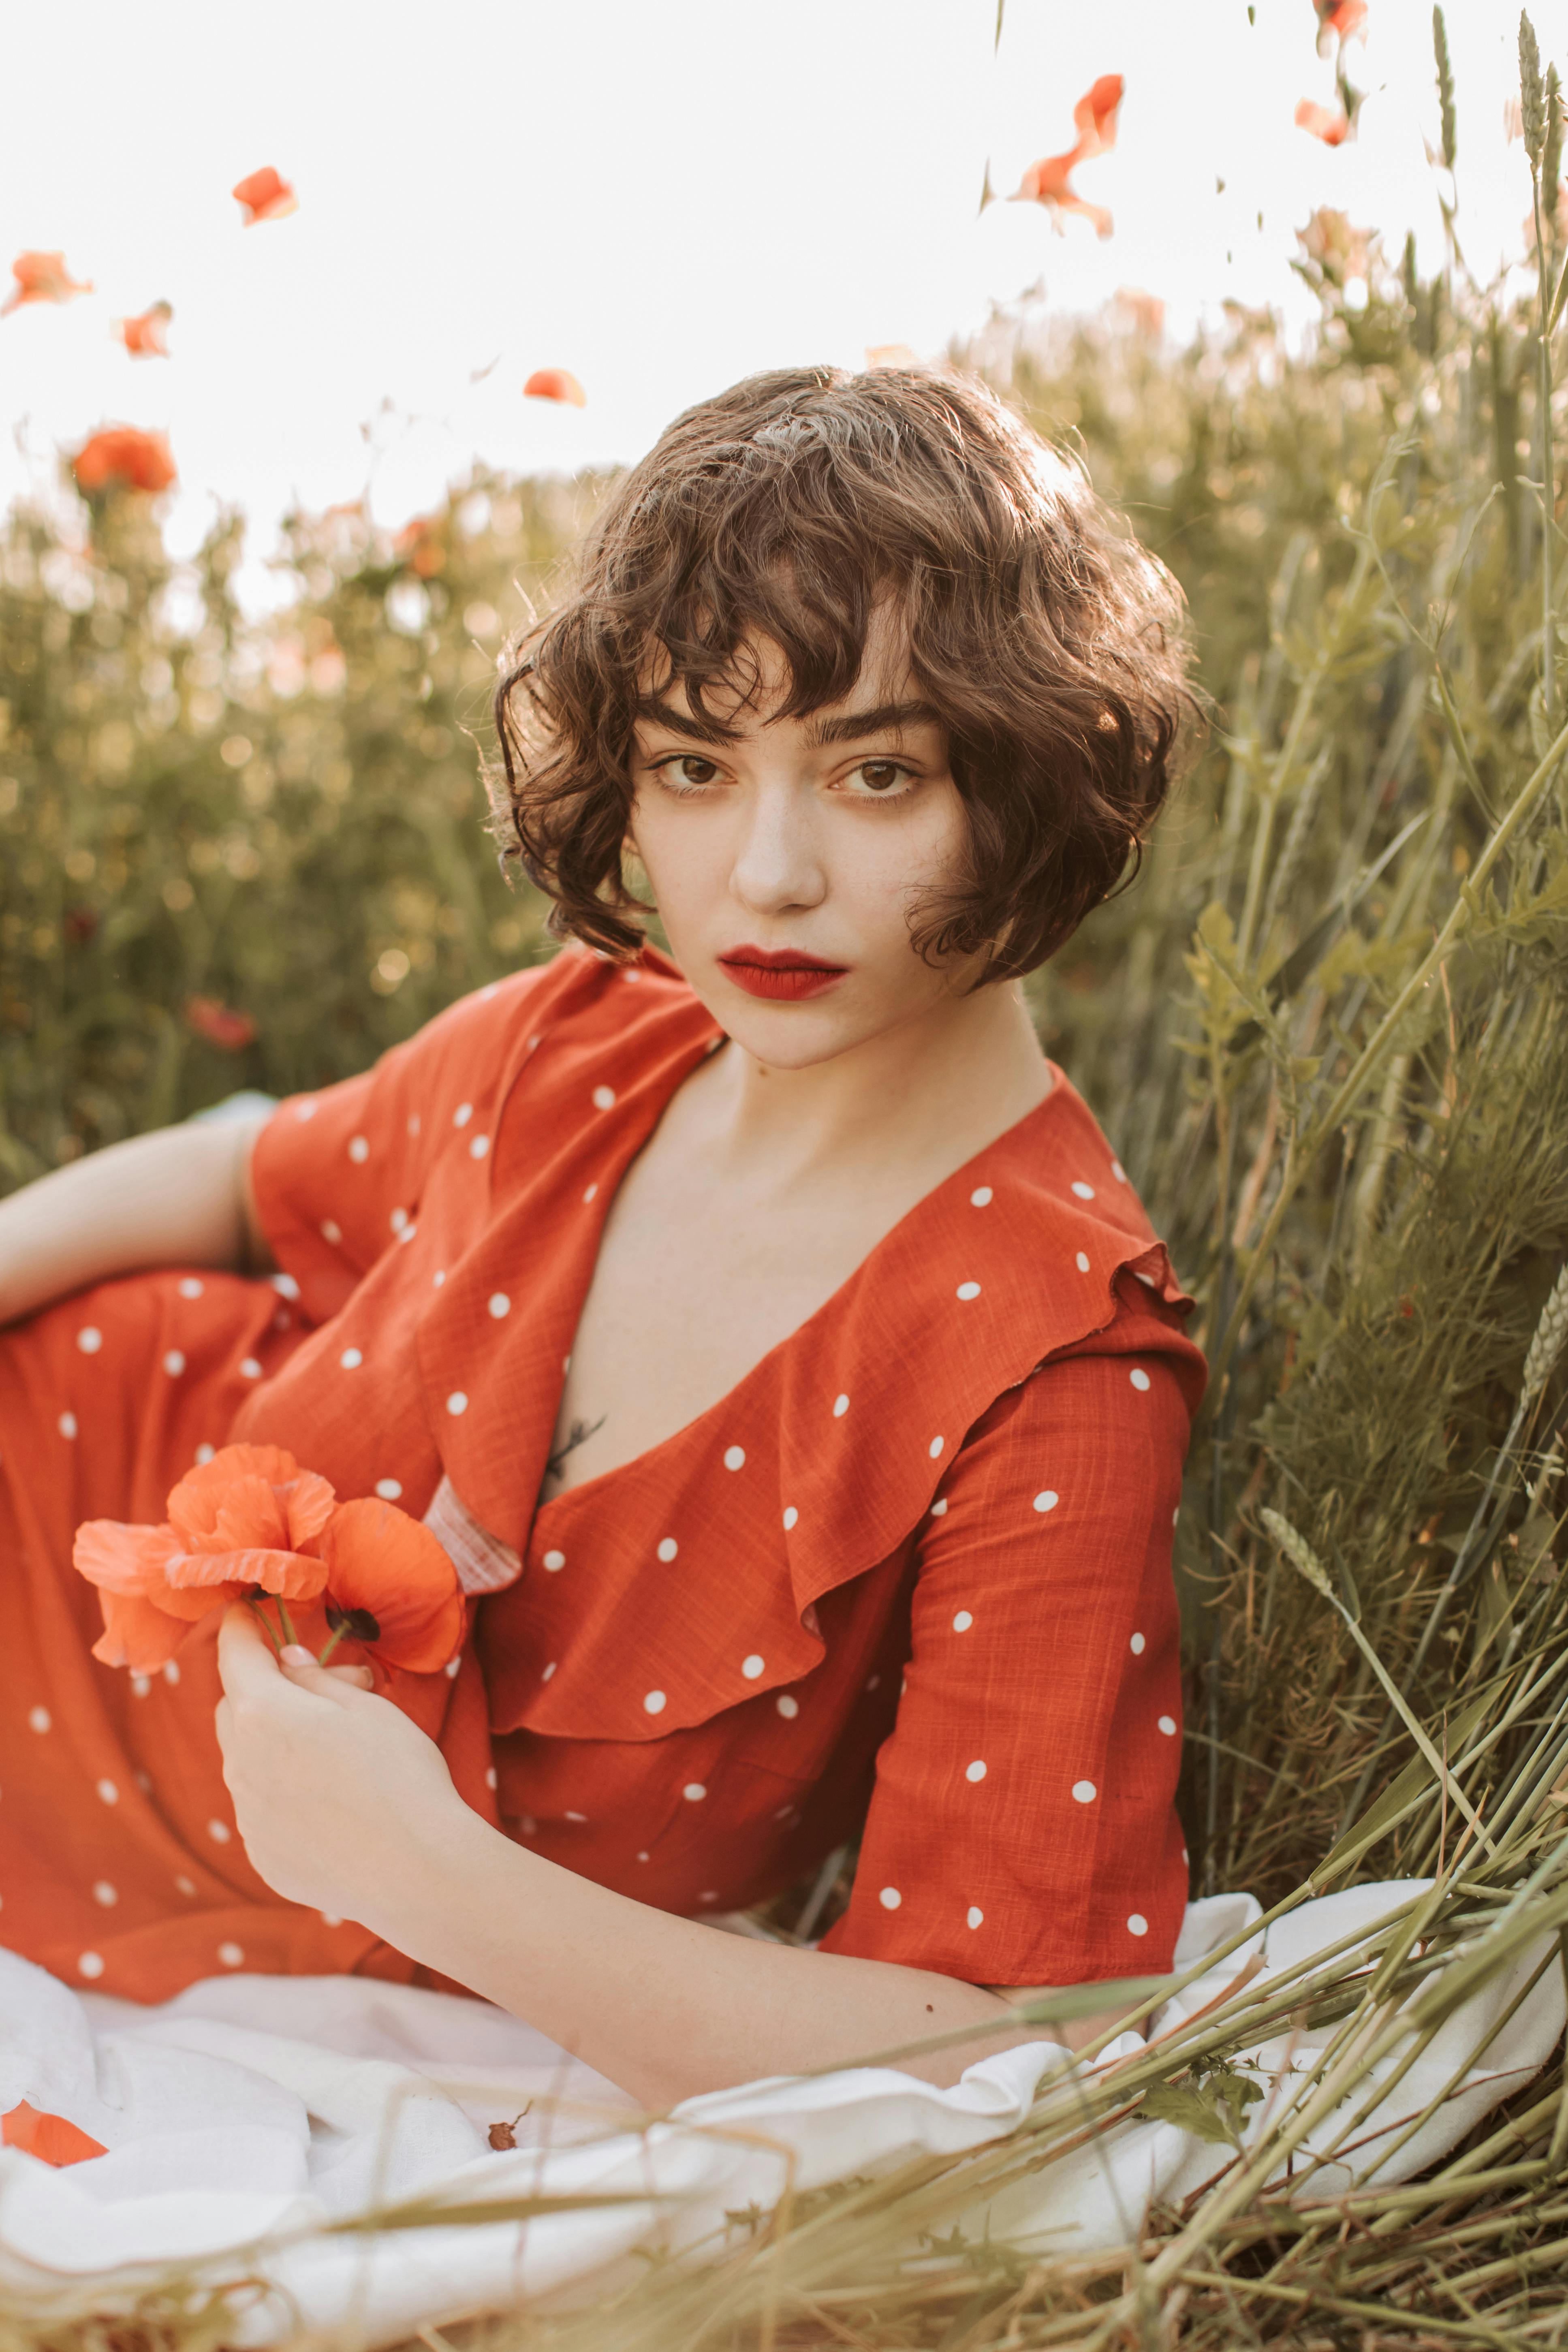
(41, 278)
(1330, 124)
(143, 336)
(121, 453)
(265, 196)
(49, 2137)
(555, 384)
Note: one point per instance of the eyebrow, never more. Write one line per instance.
(850, 727)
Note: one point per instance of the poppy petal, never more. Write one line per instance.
(49, 2137)
(121, 1558)
(136, 1634)
(379, 1559)
(555, 384)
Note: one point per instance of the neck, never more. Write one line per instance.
(928, 1093)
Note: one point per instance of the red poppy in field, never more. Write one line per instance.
(41, 278)
(1339, 19)
(49, 2137)
(239, 1521)
(391, 1587)
(265, 196)
(1330, 124)
(144, 337)
(1050, 181)
(555, 384)
(121, 453)
(220, 1025)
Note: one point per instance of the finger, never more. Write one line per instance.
(246, 1662)
(299, 1668)
(364, 1676)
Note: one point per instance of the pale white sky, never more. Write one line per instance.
(660, 198)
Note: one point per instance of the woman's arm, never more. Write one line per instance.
(179, 1197)
(345, 1805)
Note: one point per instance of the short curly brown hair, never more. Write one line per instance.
(1051, 644)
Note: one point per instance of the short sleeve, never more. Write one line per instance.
(338, 1174)
(1022, 1828)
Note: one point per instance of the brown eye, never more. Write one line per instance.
(691, 770)
(880, 775)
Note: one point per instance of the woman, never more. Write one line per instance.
(770, 1336)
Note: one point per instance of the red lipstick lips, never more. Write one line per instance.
(782, 974)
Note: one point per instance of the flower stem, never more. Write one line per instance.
(332, 1641)
(262, 1618)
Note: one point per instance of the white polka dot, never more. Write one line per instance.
(66, 1424)
(751, 1666)
(407, 1232)
(1176, 1516)
(788, 1706)
(389, 1489)
(1085, 1192)
(1047, 1500)
(939, 1508)
(1168, 1725)
(1082, 1263)
(967, 1290)
(451, 1669)
(980, 1198)
(438, 1277)
(889, 1899)
(488, 991)
(332, 1231)
(414, 1123)
(285, 1285)
(175, 1363)
(39, 1718)
(500, 1304)
(934, 1448)
(205, 1451)
(1085, 1791)
(103, 1892)
(962, 1621)
(304, 1110)
(694, 1792)
(604, 1098)
(1138, 1924)
(491, 1777)
(351, 1359)
(1147, 1280)
(231, 1955)
(186, 1885)
(554, 1560)
(1136, 1645)
(533, 1045)
(359, 1149)
(654, 1702)
(710, 1896)
(144, 1782)
(547, 1671)
(577, 1817)
(331, 1919)
(190, 1288)
(734, 1457)
(1118, 1171)
(790, 1517)
(667, 1547)
(479, 1148)
(457, 1403)
(399, 1218)
(140, 1685)
(90, 1964)
(1139, 1378)
(840, 1407)
(89, 1338)
(219, 1832)
(872, 1681)
(784, 1812)
(462, 1115)
(171, 1671)
(250, 1369)
(109, 1792)
(976, 1771)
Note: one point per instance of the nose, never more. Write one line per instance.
(778, 863)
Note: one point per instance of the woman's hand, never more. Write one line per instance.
(336, 1791)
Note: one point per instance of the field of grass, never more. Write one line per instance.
(1327, 1031)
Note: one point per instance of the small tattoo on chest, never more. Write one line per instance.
(578, 1434)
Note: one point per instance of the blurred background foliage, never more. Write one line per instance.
(252, 854)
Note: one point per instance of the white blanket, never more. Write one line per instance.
(247, 2114)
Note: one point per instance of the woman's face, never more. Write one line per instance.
(784, 854)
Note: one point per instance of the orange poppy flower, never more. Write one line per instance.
(239, 1521)
(41, 278)
(1325, 122)
(1050, 181)
(555, 384)
(219, 1024)
(265, 196)
(144, 337)
(121, 453)
(391, 1587)
(49, 2137)
(1340, 18)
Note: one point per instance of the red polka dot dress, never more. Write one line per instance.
(912, 1574)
